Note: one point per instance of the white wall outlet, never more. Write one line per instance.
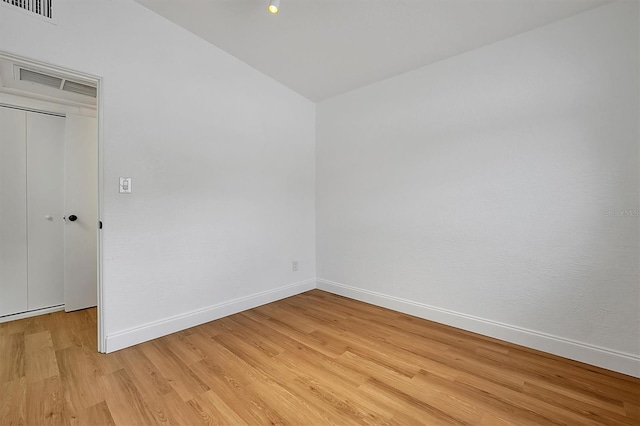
(125, 185)
(294, 266)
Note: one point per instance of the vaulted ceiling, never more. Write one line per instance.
(322, 48)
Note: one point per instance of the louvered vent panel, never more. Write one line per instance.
(39, 7)
(36, 77)
(83, 89)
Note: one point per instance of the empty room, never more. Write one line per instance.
(319, 212)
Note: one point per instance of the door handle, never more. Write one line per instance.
(73, 218)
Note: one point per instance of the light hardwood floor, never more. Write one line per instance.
(312, 359)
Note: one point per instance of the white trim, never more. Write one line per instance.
(69, 73)
(153, 330)
(37, 105)
(37, 111)
(602, 357)
(102, 336)
(46, 98)
(72, 74)
(29, 314)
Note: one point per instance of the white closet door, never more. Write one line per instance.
(81, 235)
(13, 212)
(45, 209)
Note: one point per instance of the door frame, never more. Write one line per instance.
(102, 347)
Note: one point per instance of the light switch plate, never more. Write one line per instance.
(125, 185)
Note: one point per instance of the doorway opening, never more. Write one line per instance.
(51, 192)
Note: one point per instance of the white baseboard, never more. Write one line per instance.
(29, 314)
(156, 329)
(590, 354)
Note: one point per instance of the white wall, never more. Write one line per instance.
(475, 191)
(222, 161)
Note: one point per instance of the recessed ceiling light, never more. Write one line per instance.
(274, 5)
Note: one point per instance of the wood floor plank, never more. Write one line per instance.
(171, 409)
(385, 379)
(220, 361)
(346, 393)
(98, 414)
(579, 394)
(146, 376)
(215, 411)
(68, 330)
(419, 407)
(335, 407)
(107, 363)
(584, 409)
(327, 371)
(486, 402)
(181, 346)
(314, 358)
(551, 413)
(11, 327)
(330, 349)
(126, 404)
(299, 354)
(571, 374)
(12, 357)
(287, 403)
(45, 402)
(493, 419)
(293, 317)
(77, 362)
(316, 365)
(633, 410)
(180, 377)
(260, 362)
(78, 373)
(13, 402)
(244, 402)
(246, 331)
(40, 358)
(403, 362)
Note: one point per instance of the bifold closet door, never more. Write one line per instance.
(13, 211)
(45, 210)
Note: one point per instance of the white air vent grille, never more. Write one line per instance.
(39, 7)
(56, 82)
(83, 89)
(36, 77)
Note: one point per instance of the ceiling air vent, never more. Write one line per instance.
(82, 89)
(39, 7)
(36, 77)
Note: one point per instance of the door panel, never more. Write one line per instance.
(81, 181)
(45, 203)
(13, 212)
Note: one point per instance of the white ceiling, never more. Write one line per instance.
(321, 48)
